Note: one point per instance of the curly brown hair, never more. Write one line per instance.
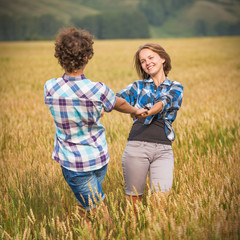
(73, 48)
(160, 51)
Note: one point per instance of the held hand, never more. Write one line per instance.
(139, 113)
(145, 114)
(157, 107)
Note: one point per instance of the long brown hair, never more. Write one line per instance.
(160, 51)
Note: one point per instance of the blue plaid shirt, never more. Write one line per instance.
(144, 94)
(75, 104)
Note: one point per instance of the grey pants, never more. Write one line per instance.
(139, 158)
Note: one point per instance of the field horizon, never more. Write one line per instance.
(35, 201)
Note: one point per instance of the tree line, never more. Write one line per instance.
(157, 11)
(112, 24)
(107, 25)
(115, 24)
(28, 28)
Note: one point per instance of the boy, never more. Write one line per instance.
(76, 104)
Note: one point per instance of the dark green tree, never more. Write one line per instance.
(13, 28)
(154, 10)
(91, 23)
(200, 28)
(115, 24)
(47, 26)
(226, 28)
(157, 11)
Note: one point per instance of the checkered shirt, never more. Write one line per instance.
(144, 94)
(75, 104)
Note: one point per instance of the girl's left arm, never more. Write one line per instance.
(172, 99)
(169, 101)
(157, 107)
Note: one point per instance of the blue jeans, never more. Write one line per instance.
(81, 184)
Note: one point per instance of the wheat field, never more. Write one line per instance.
(35, 201)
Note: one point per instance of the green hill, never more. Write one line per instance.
(201, 14)
(61, 9)
(195, 18)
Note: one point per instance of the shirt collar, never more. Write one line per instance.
(165, 82)
(68, 78)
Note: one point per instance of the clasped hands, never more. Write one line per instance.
(140, 113)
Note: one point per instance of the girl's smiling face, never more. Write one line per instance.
(151, 62)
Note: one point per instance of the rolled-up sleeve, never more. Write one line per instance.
(108, 98)
(172, 99)
(130, 93)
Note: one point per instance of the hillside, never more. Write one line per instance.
(197, 18)
(205, 14)
(62, 10)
